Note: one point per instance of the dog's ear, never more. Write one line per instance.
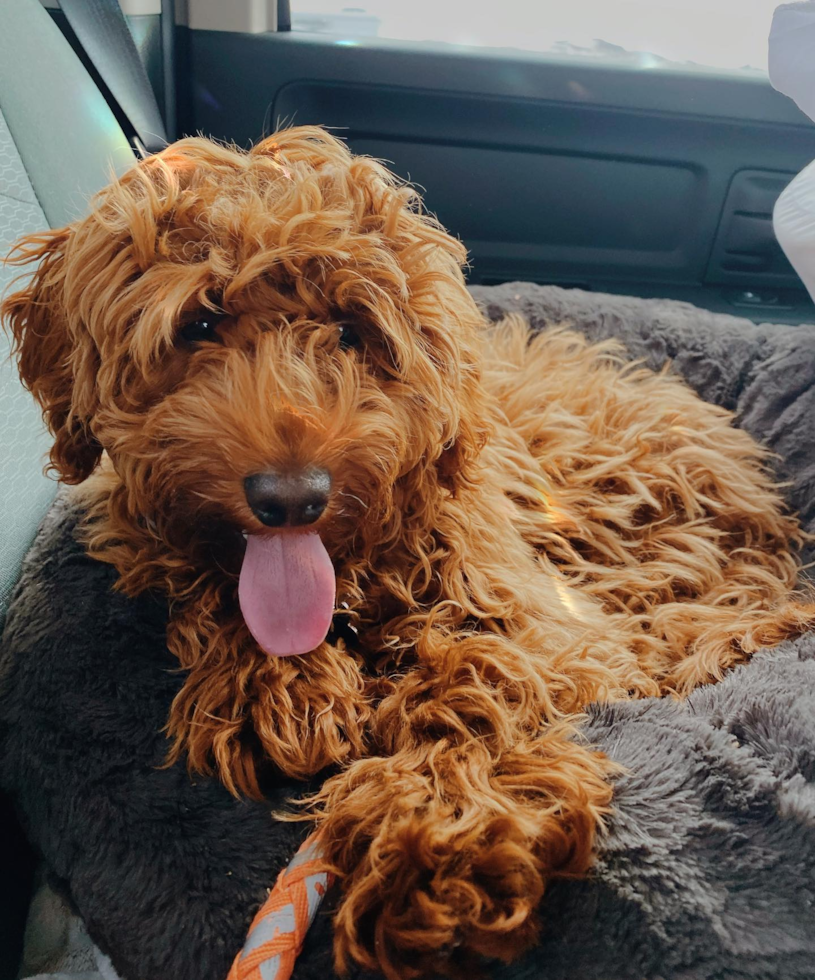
(467, 426)
(456, 468)
(49, 355)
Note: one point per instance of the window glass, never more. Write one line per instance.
(717, 34)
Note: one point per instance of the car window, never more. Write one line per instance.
(728, 35)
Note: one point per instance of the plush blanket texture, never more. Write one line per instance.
(708, 868)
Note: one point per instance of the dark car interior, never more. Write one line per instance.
(552, 168)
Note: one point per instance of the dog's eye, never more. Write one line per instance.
(349, 338)
(202, 330)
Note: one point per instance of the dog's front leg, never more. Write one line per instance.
(445, 839)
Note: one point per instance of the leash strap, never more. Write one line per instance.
(279, 929)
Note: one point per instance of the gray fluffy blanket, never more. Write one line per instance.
(708, 868)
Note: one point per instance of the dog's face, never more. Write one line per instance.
(272, 344)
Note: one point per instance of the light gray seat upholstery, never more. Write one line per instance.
(59, 143)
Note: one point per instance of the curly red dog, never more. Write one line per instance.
(400, 546)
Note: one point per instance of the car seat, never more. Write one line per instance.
(58, 143)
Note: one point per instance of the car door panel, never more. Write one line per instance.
(550, 170)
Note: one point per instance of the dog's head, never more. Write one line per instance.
(275, 342)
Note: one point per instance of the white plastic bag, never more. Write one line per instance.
(792, 53)
(792, 72)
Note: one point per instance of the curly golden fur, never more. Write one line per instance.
(520, 524)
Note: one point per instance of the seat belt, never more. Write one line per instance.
(101, 31)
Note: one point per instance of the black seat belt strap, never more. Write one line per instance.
(101, 30)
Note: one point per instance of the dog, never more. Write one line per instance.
(403, 549)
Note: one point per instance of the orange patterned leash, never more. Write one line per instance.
(277, 933)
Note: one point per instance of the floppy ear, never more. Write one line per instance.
(468, 425)
(48, 351)
(456, 467)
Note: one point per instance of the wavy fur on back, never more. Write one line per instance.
(520, 525)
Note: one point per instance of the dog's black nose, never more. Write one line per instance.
(288, 499)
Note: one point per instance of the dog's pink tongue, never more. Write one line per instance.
(286, 592)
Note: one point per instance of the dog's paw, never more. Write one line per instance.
(440, 868)
(441, 906)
